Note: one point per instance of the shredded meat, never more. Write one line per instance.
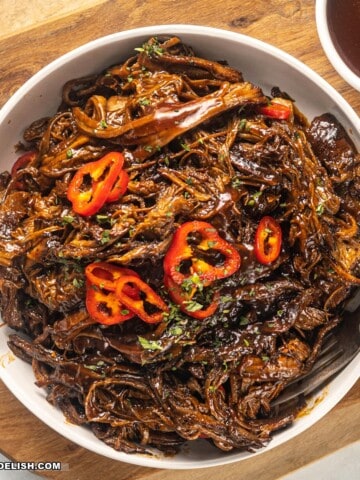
(197, 146)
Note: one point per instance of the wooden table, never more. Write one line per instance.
(32, 43)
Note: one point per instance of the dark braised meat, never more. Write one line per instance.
(333, 147)
(200, 145)
(339, 156)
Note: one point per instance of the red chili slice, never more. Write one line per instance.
(105, 274)
(139, 306)
(119, 187)
(91, 185)
(276, 110)
(104, 306)
(101, 301)
(22, 162)
(180, 251)
(184, 300)
(268, 240)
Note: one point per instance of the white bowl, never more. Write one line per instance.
(329, 48)
(38, 97)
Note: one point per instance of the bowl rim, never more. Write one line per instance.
(176, 28)
(329, 48)
(195, 30)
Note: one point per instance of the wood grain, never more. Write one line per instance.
(20, 16)
(289, 25)
(25, 438)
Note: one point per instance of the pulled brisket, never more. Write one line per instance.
(196, 147)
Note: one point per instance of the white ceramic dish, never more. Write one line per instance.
(261, 64)
(329, 48)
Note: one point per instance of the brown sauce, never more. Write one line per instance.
(344, 27)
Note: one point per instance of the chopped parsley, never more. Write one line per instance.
(243, 321)
(186, 147)
(67, 219)
(243, 125)
(101, 219)
(149, 344)
(236, 182)
(69, 153)
(193, 281)
(176, 330)
(151, 48)
(193, 306)
(105, 237)
(253, 198)
(320, 209)
(144, 102)
(78, 282)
